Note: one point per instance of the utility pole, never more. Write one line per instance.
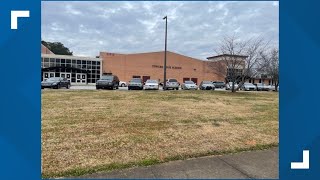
(165, 56)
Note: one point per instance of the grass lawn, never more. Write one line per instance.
(85, 131)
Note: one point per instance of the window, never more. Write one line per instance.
(136, 76)
(57, 62)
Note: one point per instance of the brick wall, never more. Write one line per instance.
(125, 66)
(45, 50)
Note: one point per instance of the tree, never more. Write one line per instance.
(270, 65)
(239, 59)
(57, 48)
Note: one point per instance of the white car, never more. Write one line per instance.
(262, 87)
(189, 85)
(273, 88)
(151, 84)
(229, 86)
(123, 84)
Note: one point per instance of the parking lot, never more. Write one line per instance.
(93, 87)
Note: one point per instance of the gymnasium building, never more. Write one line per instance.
(150, 66)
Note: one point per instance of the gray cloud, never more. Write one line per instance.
(194, 28)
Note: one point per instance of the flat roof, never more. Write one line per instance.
(226, 55)
(70, 57)
(152, 52)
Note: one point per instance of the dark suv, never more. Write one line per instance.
(108, 82)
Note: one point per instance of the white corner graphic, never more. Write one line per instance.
(15, 15)
(305, 162)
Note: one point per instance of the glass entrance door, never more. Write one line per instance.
(47, 75)
(66, 75)
(81, 78)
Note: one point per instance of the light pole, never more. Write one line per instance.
(165, 57)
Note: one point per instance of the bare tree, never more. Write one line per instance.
(238, 59)
(270, 65)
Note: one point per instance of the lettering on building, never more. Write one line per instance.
(168, 67)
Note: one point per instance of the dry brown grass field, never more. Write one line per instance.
(85, 131)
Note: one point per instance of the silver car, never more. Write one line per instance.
(151, 84)
(229, 86)
(189, 85)
(172, 84)
(206, 85)
(248, 87)
(262, 87)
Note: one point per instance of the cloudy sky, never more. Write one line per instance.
(194, 28)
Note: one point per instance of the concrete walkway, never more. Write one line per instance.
(255, 164)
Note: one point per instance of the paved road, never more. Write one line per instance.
(255, 164)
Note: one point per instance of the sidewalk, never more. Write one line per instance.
(255, 164)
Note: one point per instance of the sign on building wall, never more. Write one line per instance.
(169, 67)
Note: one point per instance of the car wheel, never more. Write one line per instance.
(68, 86)
(123, 85)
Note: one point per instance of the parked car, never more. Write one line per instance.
(273, 87)
(219, 84)
(123, 84)
(229, 86)
(56, 83)
(108, 82)
(262, 87)
(135, 83)
(151, 84)
(248, 87)
(189, 85)
(172, 84)
(206, 85)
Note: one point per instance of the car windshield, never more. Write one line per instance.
(173, 80)
(206, 82)
(152, 81)
(136, 80)
(106, 77)
(53, 79)
(189, 82)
